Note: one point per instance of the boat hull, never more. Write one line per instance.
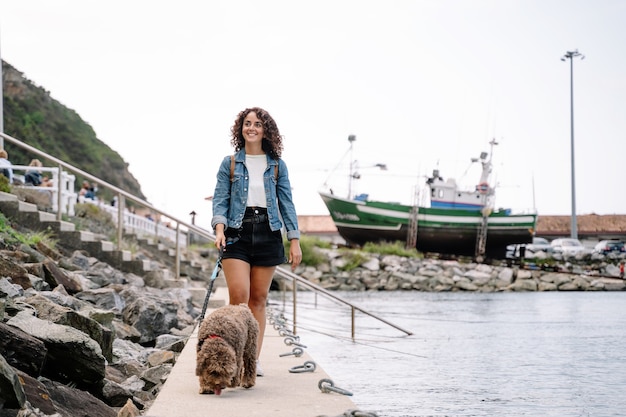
(445, 231)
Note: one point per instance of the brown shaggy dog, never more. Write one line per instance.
(226, 351)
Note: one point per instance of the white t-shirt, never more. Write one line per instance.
(256, 165)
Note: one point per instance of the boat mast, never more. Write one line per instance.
(487, 165)
(351, 139)
(481, 233)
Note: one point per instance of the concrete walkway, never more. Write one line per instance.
(278, 393)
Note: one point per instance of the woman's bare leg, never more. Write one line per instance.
(237, 274)
(260, 281)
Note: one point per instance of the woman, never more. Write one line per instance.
(33, 176)
(251, 197)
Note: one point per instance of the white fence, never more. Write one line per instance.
(142, 226)
(64, 179)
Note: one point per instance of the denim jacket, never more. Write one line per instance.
(229, 199)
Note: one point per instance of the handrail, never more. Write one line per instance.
(122, 195)
(62, 186)
(285, 274)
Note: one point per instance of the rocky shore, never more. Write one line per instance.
(78, 337)
(391, 273)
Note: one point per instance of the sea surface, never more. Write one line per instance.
(471, 354)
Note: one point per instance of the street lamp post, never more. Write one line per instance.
(571, 55)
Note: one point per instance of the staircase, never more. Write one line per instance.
(28, 215)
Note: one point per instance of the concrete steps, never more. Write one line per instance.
(190, 269)
(29, 216)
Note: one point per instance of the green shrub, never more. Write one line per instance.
(45, 237)
(4, 184)
(91, 217)
(354, 258)
(395, 248)
(10, 236)
(92, 212)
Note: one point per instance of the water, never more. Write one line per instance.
(472, 354)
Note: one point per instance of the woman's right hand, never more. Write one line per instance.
(220, 238)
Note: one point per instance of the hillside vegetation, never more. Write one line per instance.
(34, 117)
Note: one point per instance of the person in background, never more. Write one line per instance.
(6, 166)
(248, 203)
(46, 182)
(87, 191)
(33, 176)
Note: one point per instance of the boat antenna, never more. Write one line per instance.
(492, 142)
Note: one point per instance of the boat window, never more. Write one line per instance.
(440, 193)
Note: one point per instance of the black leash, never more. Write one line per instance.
(216, 271)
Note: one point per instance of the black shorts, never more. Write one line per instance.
(255, 243)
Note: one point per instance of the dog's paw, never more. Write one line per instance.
(218, 391)
(248, 383)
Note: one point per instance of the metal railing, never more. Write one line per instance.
(60, 183)
(180, 227)
(298, 280)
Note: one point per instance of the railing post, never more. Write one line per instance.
(121, 202)
(69, 197)
(177, 260)
(353, 326)
(59, 193)
(295, 303)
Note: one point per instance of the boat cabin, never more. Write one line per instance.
(446, 194)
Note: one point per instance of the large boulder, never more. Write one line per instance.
(150, 314)
(56, 276)
(48, 310)
(21, 350)
(11, 268)
(72, 355)
(11, 391)
(72, 402)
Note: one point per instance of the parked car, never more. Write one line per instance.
(567, 246)
(605, 247)
(539, 245)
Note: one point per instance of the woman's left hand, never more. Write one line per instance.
(295, 253)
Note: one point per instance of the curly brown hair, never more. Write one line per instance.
(272, 142)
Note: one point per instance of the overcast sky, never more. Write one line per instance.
(422, 84)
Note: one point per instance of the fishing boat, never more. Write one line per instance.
(455, 222)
